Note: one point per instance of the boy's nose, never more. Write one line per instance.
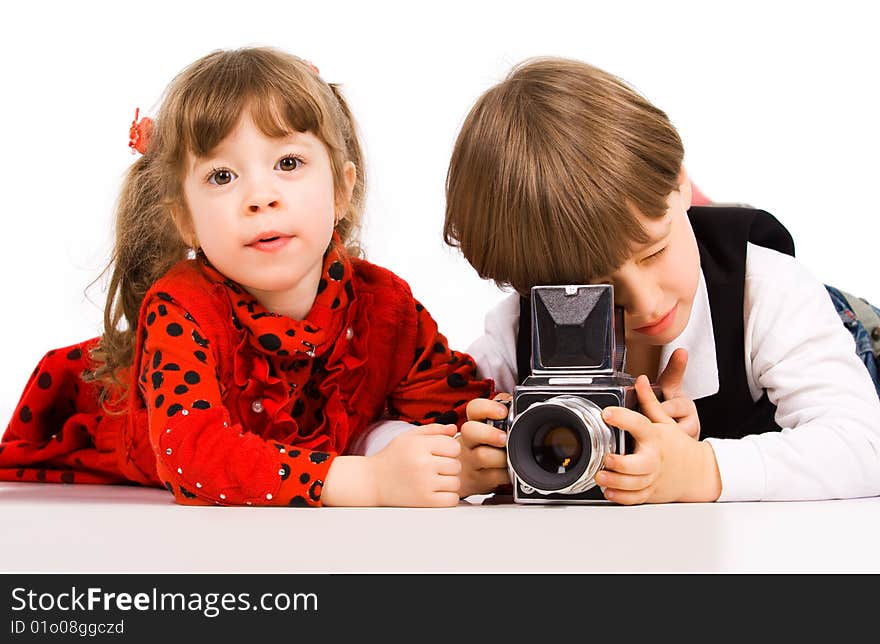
(640, 298)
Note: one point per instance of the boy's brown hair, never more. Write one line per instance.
(549, 170)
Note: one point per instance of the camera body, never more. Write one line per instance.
(557, 439)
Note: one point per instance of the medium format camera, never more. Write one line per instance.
(557, 439)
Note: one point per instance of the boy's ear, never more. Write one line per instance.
(684, 188)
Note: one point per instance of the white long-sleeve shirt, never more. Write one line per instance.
(796, 348)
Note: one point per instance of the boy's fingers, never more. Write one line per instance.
(673, 375)
(629, 482)
(678, 407)
(648, 400)
(475, 433)
(632, 464)
(630, 421)
(486, 457)
(495, 477)
(483, 408)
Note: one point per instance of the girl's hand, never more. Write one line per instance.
(483, 457)
(419, 468)
(676, 405)
(667, 465)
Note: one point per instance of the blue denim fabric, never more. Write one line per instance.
(861, 335)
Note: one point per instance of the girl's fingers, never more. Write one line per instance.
(444, 446)
(449, 467)
(443, 483)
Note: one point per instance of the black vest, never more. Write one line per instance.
(722, 234)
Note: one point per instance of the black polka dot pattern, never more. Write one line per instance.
(270, 342)
(182, 379)
(456, 381)
(318, 457)
(336, 271)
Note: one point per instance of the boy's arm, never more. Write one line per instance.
(803, 356)
(495, 351)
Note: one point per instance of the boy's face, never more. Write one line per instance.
(657, 284)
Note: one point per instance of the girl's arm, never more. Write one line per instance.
(800, 352)
(202, 457)
(440, 382)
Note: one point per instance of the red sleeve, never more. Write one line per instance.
(440, 381)
(202, 457)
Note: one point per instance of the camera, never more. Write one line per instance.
(556, 437)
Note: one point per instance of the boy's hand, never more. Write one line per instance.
(483, 457)
(667, 465)
(678, 407)
(419, 468)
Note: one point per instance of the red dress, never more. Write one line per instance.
(232, 404)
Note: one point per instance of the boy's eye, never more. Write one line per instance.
(289, 163)
(657, 254)
(221, 177)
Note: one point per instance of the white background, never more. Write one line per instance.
(777, 104)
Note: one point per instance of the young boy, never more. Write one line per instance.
(563, 174)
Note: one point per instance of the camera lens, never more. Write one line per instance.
(556, 448)
(557, 445)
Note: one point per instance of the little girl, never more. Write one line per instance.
(563, 174)
(246, 348)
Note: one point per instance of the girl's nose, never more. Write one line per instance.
(262, 204)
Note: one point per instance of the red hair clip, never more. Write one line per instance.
(139, 133)
(312, 65)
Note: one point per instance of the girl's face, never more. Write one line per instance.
(263, 211)
(657, 284)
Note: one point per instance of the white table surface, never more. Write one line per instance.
(96, 528)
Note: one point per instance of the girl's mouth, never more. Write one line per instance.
(270, 241)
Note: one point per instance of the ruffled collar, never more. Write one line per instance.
(278, 335)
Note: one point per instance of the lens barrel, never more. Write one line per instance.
(557, 445)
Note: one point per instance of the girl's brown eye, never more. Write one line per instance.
(221, 177)
(289, 163)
